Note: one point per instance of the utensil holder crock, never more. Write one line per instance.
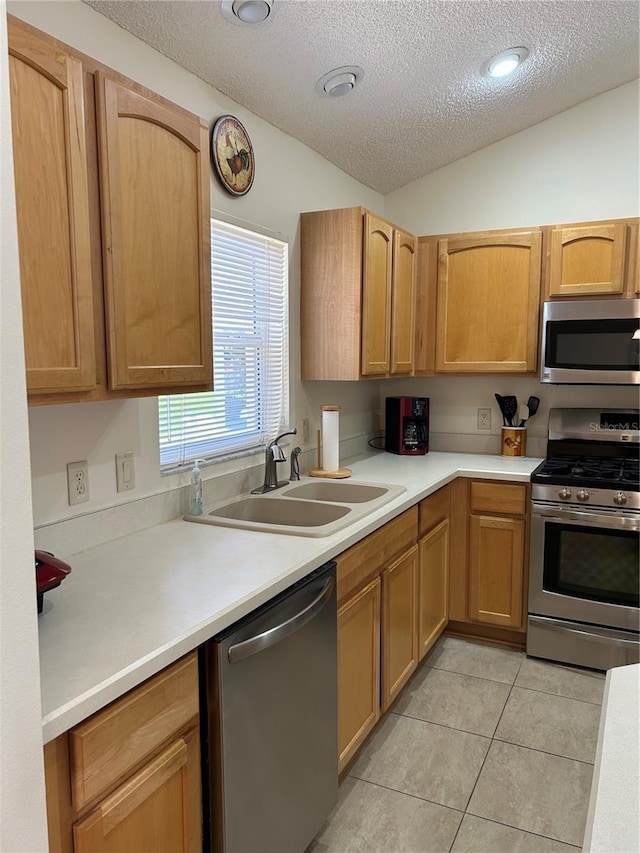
(514, 441)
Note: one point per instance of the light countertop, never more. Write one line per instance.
(613, 821)
(136, 604)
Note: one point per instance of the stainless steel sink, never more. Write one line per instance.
(314, 508)
(340, 492)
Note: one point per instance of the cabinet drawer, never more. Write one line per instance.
(369, 556)
(488, 496)
(112, 742)
(433, 509)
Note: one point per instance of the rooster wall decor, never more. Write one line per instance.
(232, 155)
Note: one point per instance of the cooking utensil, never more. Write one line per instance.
(500, 402)
(533, 403)
(523, 414)
(510, 409)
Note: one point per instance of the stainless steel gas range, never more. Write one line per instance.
(584, 576)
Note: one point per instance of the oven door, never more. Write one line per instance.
(584, 565)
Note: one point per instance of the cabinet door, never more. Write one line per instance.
(155, 217)
(52, 203)
(403, 289)
(156, 810)
(433, 586)
(376, 296)
(496, 570)
(588, 260)
(488, 300)
(399, 624)
(358, 670)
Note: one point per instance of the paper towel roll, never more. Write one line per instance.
(330, 437)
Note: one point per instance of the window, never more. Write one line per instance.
(250, 323)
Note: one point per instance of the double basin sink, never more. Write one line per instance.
(314, 508)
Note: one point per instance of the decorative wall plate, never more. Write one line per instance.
(232, 155)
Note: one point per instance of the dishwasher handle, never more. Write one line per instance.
(274, 635)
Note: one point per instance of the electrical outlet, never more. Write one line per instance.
(78, 482)
(125, 471)
(305, 431)
(484, 418)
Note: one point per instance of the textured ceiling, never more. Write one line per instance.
(422, 103)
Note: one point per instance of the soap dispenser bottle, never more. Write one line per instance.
(195, 502)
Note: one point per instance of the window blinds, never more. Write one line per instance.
(250, 400)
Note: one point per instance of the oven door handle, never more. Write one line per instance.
(587, 519)
(596, 638)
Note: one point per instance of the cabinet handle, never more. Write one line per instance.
(126, 799)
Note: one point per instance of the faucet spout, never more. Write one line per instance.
(273, 453)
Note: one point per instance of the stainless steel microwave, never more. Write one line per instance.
(591, 342)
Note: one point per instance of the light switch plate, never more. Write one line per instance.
(125, 471)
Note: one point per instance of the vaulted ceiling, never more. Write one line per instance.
(422, 102)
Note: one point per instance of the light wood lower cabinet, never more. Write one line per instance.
(377, 627)
(433, 603)
(358, 670)
(399, 624)
(496, 568)
(158, 809)
(497, 559)
(128, 779)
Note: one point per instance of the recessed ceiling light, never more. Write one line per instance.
(246, 11)
(339, 82)
(505, 63)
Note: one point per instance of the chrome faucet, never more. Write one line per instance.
(273, 453)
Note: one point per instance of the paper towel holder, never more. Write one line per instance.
(319, 471)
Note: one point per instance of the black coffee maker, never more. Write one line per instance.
(407, 425)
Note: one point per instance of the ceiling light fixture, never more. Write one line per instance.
(246, 11)
(339, 82)
(505, 63)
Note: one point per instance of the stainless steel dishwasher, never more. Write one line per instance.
(271, 683)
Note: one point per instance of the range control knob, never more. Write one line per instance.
(564, 494)
(620, 498)
(583, 495)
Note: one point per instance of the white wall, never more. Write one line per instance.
(290, 178)
(579, 165)
(22, 809)
(582, 164)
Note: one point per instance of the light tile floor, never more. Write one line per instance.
(485, 751)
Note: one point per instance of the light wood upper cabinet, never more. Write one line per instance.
(357, 296)
(399, 624)
(376, 296)
(488, 302)
(594, 259)
(358, 670)
(155, 191)
(403, 306)
(49, 149)
(112, 197)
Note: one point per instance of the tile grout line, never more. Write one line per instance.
(440, 725)
(519, 829)
(475, 785)
(495, 681)
(543, 751)
(407, 794)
